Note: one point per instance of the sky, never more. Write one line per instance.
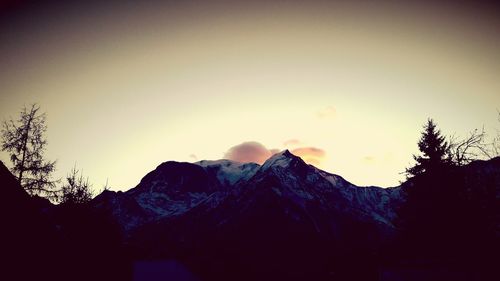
(345, 85)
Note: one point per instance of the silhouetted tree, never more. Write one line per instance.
(448, 214)
(24, 140)
(473, 147)
(76, 190)
(435, 151)
(420, 218)
(496, 141)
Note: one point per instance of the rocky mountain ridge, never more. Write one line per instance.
(174, 189)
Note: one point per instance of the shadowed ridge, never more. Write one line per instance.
(11, 189)
(173, 177)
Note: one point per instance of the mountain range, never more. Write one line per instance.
(231, 190)
(224, 220)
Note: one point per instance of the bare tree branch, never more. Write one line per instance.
(466, 150)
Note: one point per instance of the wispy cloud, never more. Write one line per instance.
(292, 143)
(369, 159)
(327, 112)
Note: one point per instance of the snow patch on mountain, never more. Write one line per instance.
(162, 205)
(229, 172)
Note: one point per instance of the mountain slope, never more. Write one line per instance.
(174, 189)
(222, 212)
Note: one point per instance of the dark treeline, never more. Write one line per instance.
(41, 241)
(446, 228)
(450, 215)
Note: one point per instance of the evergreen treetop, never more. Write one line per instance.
(434, 149)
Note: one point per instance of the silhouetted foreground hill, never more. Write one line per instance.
(449, 224)
(26, 234)
(41, 241)
(284, 220)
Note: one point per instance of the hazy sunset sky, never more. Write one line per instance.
(346, 86)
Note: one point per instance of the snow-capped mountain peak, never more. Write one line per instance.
(223, 188)
(283, 159)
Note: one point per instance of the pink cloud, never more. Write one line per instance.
(256, 152)
(309, 151)
(292, 142)
(250, 151)
(311, 155)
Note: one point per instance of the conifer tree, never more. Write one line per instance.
(25, 142)
(434, 149)
(77, 189)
